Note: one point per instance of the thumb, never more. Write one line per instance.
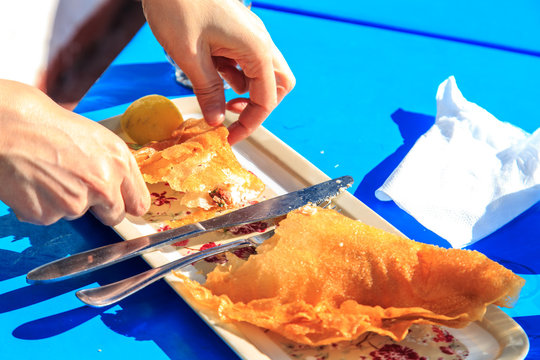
(208, 87)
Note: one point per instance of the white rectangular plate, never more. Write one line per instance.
(283, 170)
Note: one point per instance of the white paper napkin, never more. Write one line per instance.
(469, 174)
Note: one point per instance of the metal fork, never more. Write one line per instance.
(114, 292)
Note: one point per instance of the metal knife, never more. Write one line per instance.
(101, 257)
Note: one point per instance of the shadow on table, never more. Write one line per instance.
(516, 244)
(503, 246)
(153, 314)
(531, 325)
(154, 320)
(411, 126)
(48, 243)
(126, 83)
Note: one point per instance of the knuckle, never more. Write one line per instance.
(122, 150)
(27, 218)
(29, 215)
(262, 41)
(75, 208)
(291, 83)
(38, 218)
(103, 198)
(258, 21)
(268, 106)
(113, 217)
(107, 214)
(265, 55)
(49, 220)
(203, 91)
(109, 221)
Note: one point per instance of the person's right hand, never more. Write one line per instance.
(56, 164)
(209, 38)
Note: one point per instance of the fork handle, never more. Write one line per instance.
(112, 293)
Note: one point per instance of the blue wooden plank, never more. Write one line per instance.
(499, 24)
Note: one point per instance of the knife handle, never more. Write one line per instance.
(101, 257)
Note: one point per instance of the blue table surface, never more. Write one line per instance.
(364, 94)
(499, 24)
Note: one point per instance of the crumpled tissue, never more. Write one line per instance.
(469, 174)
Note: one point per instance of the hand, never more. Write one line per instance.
(207, 38)
(56, 164)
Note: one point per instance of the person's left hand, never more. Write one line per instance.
(56, 164)
(209, 38)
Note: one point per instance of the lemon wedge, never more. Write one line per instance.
(150, 118)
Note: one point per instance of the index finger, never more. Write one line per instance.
(250, 118)
(263, 98)
(285, 80)
(262, 83)
(134, 192)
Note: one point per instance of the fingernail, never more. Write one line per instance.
(214, 115)
(144, 206)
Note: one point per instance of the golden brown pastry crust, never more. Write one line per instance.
(198, 162)
(325, 278)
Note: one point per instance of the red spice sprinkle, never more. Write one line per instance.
(447, 350)
(181, 243)
(395, 352)
(442, 335)
(244, 252)
(164, 228)
(161, 199)
(219, 258)
(259, 226)
(208, 246)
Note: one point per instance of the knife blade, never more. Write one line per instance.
(101, 257)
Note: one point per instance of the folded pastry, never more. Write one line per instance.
(197, 162)
(324, 278)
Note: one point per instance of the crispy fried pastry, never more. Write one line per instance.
(324, 278)
(198, 162)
